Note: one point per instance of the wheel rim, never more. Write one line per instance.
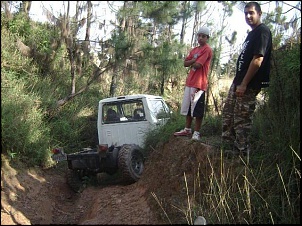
(137, 163)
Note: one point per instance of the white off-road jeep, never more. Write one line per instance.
(122, 125)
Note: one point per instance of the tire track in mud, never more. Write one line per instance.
(42, 196)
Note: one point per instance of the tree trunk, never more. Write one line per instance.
(162, 85)
(86, 48)
(113, 82)
(184, 22)
(26, 7)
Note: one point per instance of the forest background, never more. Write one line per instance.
(52, 80)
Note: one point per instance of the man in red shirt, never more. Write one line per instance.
(199, 60)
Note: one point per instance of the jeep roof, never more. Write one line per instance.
(129, 97)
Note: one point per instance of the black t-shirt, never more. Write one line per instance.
(258, 41)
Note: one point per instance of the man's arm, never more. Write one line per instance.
(188, 63)
(193, 62)
(252, 70)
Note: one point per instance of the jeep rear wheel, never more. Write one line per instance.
(130, 162)
(74, 180)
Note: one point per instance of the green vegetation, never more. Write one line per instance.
(265, 190)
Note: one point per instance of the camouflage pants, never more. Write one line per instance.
(237, 116)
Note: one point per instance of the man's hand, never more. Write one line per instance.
(240, 90)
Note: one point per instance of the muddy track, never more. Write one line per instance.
(37, 196)
(42, 196)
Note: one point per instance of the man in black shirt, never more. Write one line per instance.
(252, 74)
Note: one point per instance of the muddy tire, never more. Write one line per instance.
(74, 180)
(130, 162)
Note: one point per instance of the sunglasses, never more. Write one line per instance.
(203, 36)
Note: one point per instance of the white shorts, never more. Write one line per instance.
(193, 102)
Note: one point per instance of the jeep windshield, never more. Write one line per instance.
(121, 111)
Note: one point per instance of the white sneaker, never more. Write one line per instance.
(196, 136)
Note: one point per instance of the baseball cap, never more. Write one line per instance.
(204, 30)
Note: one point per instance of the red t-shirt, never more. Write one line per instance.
(198, 78)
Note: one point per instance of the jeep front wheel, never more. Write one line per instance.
(130, 162)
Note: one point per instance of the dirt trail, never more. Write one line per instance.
(41, 196)
(35, 196)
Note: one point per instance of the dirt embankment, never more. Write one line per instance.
(41, 196)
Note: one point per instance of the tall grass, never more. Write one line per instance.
(241, 194)
(246, 190)
(24, 133)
